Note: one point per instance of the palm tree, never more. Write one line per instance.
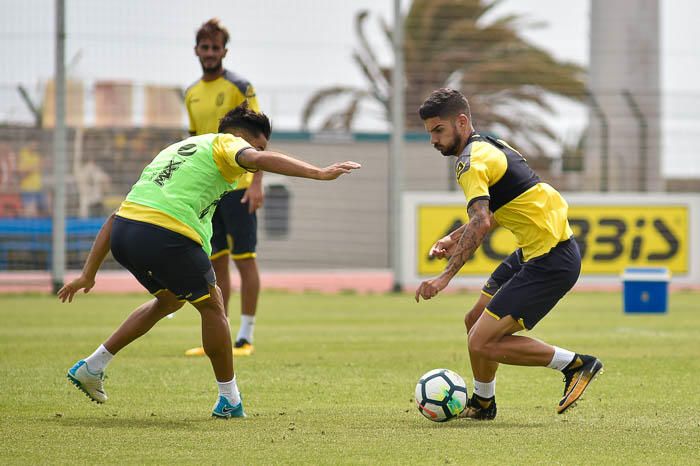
(452, 42)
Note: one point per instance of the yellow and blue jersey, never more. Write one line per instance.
(208, 101)
(533, 211)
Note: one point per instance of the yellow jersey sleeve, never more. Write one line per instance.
(225, 149)
(483, 168)
(474, 181)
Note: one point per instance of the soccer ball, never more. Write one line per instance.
(441, 395)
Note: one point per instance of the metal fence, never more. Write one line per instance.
(329, 94)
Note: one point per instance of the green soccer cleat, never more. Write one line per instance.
(87, 382)
(577, 376)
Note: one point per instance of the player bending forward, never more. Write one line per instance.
(161, 234)
(499, 186)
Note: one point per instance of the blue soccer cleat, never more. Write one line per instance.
(223, 409)
(87, 382)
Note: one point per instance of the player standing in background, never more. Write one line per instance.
(162, 232)
(500, 186)
(235, 223)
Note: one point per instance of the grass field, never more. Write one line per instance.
(332, 382)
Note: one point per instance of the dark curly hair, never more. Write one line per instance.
(243, 117)
(444, 102)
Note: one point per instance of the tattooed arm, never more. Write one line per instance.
(445, 247)
(479, 224)
(472, 236)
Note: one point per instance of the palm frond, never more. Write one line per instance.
(380, 93)
(342, 119)
(368, 58)
(501, 72)
(320, 97)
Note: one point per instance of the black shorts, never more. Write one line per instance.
(161, 259)
(504, 272)
(538, 285)
(234, 229)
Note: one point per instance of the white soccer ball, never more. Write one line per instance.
(441, 395)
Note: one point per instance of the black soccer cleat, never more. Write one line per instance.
(577, 376)
(482, 409)
(243, 347)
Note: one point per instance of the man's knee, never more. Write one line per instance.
(481, 341)
(213, 305)
(168, 302)
(475, 344)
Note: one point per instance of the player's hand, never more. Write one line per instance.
(69, 289)
(334, 171)
(430, 288)
(443, 248)
(254, 196)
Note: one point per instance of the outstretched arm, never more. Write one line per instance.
(97, 255)
(276, 162)
(472, 236)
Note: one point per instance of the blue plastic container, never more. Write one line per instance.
(645, 290)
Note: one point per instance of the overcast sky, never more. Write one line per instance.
(288, 49)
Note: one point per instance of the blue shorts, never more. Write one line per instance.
(234, 228)
(161, 259)
(527, 291)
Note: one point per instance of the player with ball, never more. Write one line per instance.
(500, 187)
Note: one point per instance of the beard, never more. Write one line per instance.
(451, 149)
(211, 68)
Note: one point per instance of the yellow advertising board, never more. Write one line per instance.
(611, 237)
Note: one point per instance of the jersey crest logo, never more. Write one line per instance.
(250, 92)
(220, 99)
(463, 161)
(462, 165)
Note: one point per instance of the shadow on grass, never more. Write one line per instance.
(490, 425)
(111, 422)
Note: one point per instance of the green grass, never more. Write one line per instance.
(332, 382)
